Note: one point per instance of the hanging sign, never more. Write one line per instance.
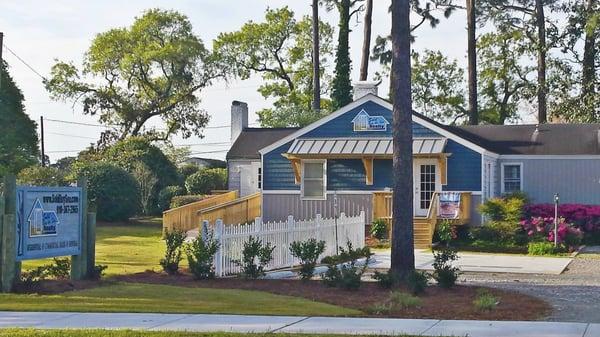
(449, 205)
(49, 222)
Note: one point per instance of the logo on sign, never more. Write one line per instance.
(42, 223)
(364, 122)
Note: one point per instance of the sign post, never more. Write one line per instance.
(10, 268)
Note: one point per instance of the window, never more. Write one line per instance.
(314, 179)
(259, 178)
(512, 177)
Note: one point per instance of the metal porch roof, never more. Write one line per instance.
(362, 146)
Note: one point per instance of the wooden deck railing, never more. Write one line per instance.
(238, 211)
(186, 217)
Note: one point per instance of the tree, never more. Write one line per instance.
(146, 183)
(402, 255)
(341, 91)
(438, 87)
(316, 55)
(472, 62)
(152, 69)
(18, 137)
(366, 49)
(280, 50)
(42, 176)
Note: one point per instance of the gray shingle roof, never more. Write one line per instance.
(251, 140)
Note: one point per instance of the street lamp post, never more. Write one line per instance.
(556, 199)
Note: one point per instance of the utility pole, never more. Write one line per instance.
(42, 141)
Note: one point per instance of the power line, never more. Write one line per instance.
(206, 152)
(25, 63)
(201, 144)
(66, 135)
(78, 123)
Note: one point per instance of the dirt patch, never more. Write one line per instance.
(437, 303)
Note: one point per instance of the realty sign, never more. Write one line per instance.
(49, 222)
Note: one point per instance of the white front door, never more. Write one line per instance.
(426, 181)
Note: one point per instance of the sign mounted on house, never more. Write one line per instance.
(365, 122)
(49, 221)
(449, 205)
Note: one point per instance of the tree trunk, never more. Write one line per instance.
(316, 102)
(472, 63)
(589, 55)
(402, 256)
(341, 93)
(541, 62)
(366, 49)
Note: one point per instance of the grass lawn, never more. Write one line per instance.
(136, 297)
(125, 248)
(130, 333)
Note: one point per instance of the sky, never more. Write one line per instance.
(40, 32)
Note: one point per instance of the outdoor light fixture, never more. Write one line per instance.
(556, 199)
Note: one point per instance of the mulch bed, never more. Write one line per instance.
(437, 303)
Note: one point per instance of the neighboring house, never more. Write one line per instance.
(205, 162)
(337, 163)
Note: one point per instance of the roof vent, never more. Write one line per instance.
(535, 133)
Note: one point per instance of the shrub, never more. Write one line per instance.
(416, 281)
(206, 180)
(174, 241)
(42, 176)
(544, 248)
(386, 280)
(181, 200)
(187, 170)
(98, 271)
(400, 300)
(446, 231)
(509, 208)
(379, 229)
(255, 257)
(485, 301)
(200, 253)
(584, 217)
(59, 269)
(166, 194)
(543, 229)
(444, 272)
(308, 252)
(113, 190)
(342, 271)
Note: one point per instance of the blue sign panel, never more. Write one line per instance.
(364, 122)
(49, 222)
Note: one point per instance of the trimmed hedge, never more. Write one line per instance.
(180, 200)
(206, 180)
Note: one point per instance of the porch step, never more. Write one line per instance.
(422, 233)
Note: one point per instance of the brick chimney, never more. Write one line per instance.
(239, 119)
(364, 88)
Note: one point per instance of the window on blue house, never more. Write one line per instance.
(314, 179)
(512, 177)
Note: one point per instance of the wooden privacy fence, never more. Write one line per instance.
(186, 217)
(240, 210)
(281, 235)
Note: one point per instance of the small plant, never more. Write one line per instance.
(400, 300)
(379, 229)
(98, 271)
(485, 301)
(308, 252)
(386, 280)
(379, 309)
(446, 231)
(59, 269)
(200, 254)
(342, 271)
(445, 273)
(544, 248)
(255, 257)
(416, 282)
(174, 241)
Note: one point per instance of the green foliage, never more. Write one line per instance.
(18, 135)
(151, 69)
(113, 190)
(200, 254)
(308, 252)
(444, 272)
(485, 301)
(255, 257)
(379, 229)
(343, 271)
(174, 245)
(187, 170)
(508, 208)
(385, 280)
(280, 50)
(445, 231)
(166, 195)
(416, 281)
(41, 176)
(400, 300)
(206, 180)
(98, 271)
(544, 248)
(59, 269)
(180, 200)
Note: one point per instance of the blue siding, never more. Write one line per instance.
(278, 173)
(349, 175)
(464, 168)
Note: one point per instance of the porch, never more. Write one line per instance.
(424, 224)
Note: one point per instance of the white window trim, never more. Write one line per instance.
(520, 164)
(322, 161)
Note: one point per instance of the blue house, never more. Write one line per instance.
(343, 163)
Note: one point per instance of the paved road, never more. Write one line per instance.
(291, 324)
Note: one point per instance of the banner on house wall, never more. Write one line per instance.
(449, 205)
(49, 222)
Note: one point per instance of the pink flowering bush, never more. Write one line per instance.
(584, 217)
(542, 228)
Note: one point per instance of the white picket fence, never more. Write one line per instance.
(281, 235)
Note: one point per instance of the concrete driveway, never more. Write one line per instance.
(487, 263)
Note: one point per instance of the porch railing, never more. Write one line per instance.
(186, 217)
(238, 211)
